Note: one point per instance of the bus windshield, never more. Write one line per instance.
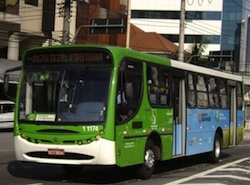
(72, 95)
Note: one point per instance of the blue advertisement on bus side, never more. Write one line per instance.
(201, 127)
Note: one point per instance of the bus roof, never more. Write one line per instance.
(183, 65)
(204, 70)
(121, 52)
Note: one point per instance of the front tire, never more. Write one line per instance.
(147, 168)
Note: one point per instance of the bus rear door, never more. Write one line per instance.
(179, 116)
(232, 108)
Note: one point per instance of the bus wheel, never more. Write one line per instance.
(72, 169)
(215, 154)
(147, 168)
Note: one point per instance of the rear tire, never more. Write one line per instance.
(216, 153)
(147, 168)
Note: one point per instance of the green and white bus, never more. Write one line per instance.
(82, 105)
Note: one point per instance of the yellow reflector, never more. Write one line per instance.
(98, 137)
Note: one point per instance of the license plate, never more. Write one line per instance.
(55, 152)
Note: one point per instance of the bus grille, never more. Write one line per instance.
(69, 156)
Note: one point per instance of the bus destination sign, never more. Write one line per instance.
(67, 57)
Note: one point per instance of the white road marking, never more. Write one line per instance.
(236, 169)
(242, 166)
(205, 173)
(228, 176)
(204, 184)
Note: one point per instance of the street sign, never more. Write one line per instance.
(108, 26)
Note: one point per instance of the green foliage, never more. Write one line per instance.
(197, 49)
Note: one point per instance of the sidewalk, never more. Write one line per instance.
(246, 134)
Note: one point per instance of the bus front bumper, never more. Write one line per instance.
(101, 152)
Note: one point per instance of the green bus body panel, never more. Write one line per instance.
(130, 142)
(131, 137)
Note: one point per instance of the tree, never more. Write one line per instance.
(197, 49)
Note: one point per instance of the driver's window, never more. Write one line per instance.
(129, 90)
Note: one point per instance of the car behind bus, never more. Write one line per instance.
(6, 114)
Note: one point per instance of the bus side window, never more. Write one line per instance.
(191, 93)
(158, 86)
(223, 93)
(201, 88)
(239, 96)
(213, 93)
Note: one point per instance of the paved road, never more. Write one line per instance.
(236, 172)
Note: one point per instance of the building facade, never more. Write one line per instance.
(24, 24)
(101, 12)
(203, 20)
(29, 23)
(245, 38)
(223, 22)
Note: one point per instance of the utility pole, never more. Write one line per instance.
(181, 33)
(128, 24)
(66, 21)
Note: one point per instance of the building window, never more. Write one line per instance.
(155, 14)
(214, 39)
(198, 15)
(190, 15)
(32, 2)
(9, 6)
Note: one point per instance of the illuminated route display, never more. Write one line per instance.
(68, 56)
